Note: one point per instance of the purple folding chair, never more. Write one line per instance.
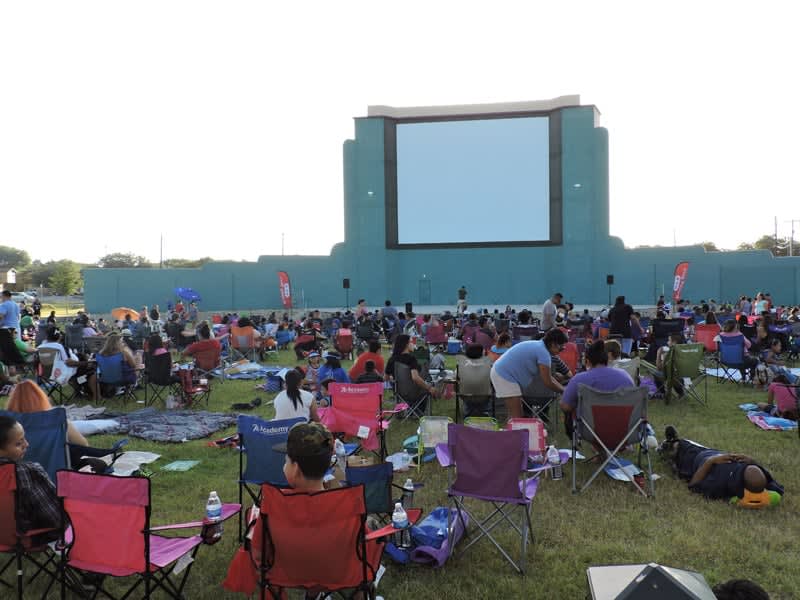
(488, 465)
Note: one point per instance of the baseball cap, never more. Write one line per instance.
(307, 440)
(313, 355)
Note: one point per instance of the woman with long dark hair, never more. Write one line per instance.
(294, 402)
(403, 352)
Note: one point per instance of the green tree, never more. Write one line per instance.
(13, 257)
(186, 263)
(710, 247)
(66, 278)
(122, 260)
(779, 247)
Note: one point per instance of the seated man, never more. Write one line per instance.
(370, 374)
(37, 504)
(206, 349)
(713, 473)
(598, 375)
(373, 354)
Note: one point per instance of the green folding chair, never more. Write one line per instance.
(685, 366)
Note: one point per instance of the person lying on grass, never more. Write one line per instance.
(713, 473)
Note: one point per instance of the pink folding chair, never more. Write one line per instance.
(436, 335)
(356, 410)
(112, 536)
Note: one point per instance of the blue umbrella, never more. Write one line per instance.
(187, 294)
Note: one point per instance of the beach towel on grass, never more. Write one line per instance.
(174, 425)
(617, 468)
(769, 423)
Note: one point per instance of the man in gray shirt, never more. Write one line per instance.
(549, 310)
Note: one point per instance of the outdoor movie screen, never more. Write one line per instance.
(477, 181)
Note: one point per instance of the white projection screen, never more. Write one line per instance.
(473, 182)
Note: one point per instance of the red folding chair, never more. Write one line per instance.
(316, 542)
(22, 546)
(436, 335)
(356, 410)
(112, 536)
(571, 356)
(193, 389)
(705, 334)
(344, 345)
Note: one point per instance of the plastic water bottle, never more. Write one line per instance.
(407, 498)
(341, 455)
(400, 521)
(214, 517)
(555, 463)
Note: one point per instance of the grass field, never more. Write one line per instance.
(608, 524)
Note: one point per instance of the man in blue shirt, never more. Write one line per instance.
(9, 313)
(519, 365)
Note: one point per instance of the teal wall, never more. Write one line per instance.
(514, 275)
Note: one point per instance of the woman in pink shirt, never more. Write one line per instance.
(782, 398)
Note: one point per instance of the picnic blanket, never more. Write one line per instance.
(83, 413)
(765, 420)
(736, 375)
(172, 426)
(249, 370)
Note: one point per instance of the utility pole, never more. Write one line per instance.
(282, 234)
(775, 244)
(161, 252)
(791, 238)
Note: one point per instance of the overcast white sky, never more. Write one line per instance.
(220, 124)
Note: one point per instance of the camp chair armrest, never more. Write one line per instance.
(228, 510)
(413, 514)
(443, 455)
(416, 486)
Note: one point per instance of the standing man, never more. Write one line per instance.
(9, 313)
(519, 365)
(549, 311)
(461, 305)
(620, 318)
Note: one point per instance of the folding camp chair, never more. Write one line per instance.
(111, 534)
(611, 420)
(316, 542)
(73, 337)
(193, 389)
(485, 423)
(356, 410)
(344, 344)
(11, 356)
(436, 336)
(473, 386)
(209, 360)
(110, 371)
(423, 356)
(93, 344)
(431, 432)
(158, 378)
(537, 434)
(731, 359)
(685, 366)
(21, 546)
(538, 401)
(45, 358)
(705, 334)
(258, 462)
(522, 333)
(408, 392)
(571, 356)
(46, 433)
(630, 366)
(488, 466)
(244, 345)
(379, 486)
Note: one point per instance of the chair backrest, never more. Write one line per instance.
(159, 368)
(361, 400)
(484, 340)
(537, 433)
(318, 538)
(242, 337)
(663, 328)
(41, 332)
(109, 517)
(109, 368)
(433, 430)
(488, 463)
(688, 358)
(364, 331)
(435, 334)
(473, 376)
(570, 356)
(487, 423)
(705, 334)
(536, 389)
(377, 482)
(630, 366)
(520, 333)
(74, 336)
(404, 385)
(502, 325)
(208, 358)
(611, 415)
(257, 437)
(46, 433)
(469, 332)
(47, 357)
(731, 350)
(8, 505)
(344, 342)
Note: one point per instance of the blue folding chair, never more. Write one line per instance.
(263, 464)
(46, 433)
(731, 358)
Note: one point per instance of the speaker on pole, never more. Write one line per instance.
(346, 283)
(609, 280)
(409, 307)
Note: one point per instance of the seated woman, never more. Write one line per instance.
(115, 355)
(716, 474)
(403, 352)
(782, 397)
(332, 369)
(28, 397)
(294, 402)
(772, 359)
(731, 330)
(502, 344)
(38, 506)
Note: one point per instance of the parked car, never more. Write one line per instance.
(22, 297)
(33, 293)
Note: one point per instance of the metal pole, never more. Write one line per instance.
(161, 252)
(282, 235)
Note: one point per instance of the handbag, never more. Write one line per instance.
(62, 373)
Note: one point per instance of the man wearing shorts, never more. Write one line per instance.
(519, 365)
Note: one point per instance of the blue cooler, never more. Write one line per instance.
(453, 346)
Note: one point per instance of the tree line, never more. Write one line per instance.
(778, 246)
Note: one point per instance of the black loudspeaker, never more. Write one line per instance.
(609, 280)
(346, 283)
(409, 307)
(647, 582)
